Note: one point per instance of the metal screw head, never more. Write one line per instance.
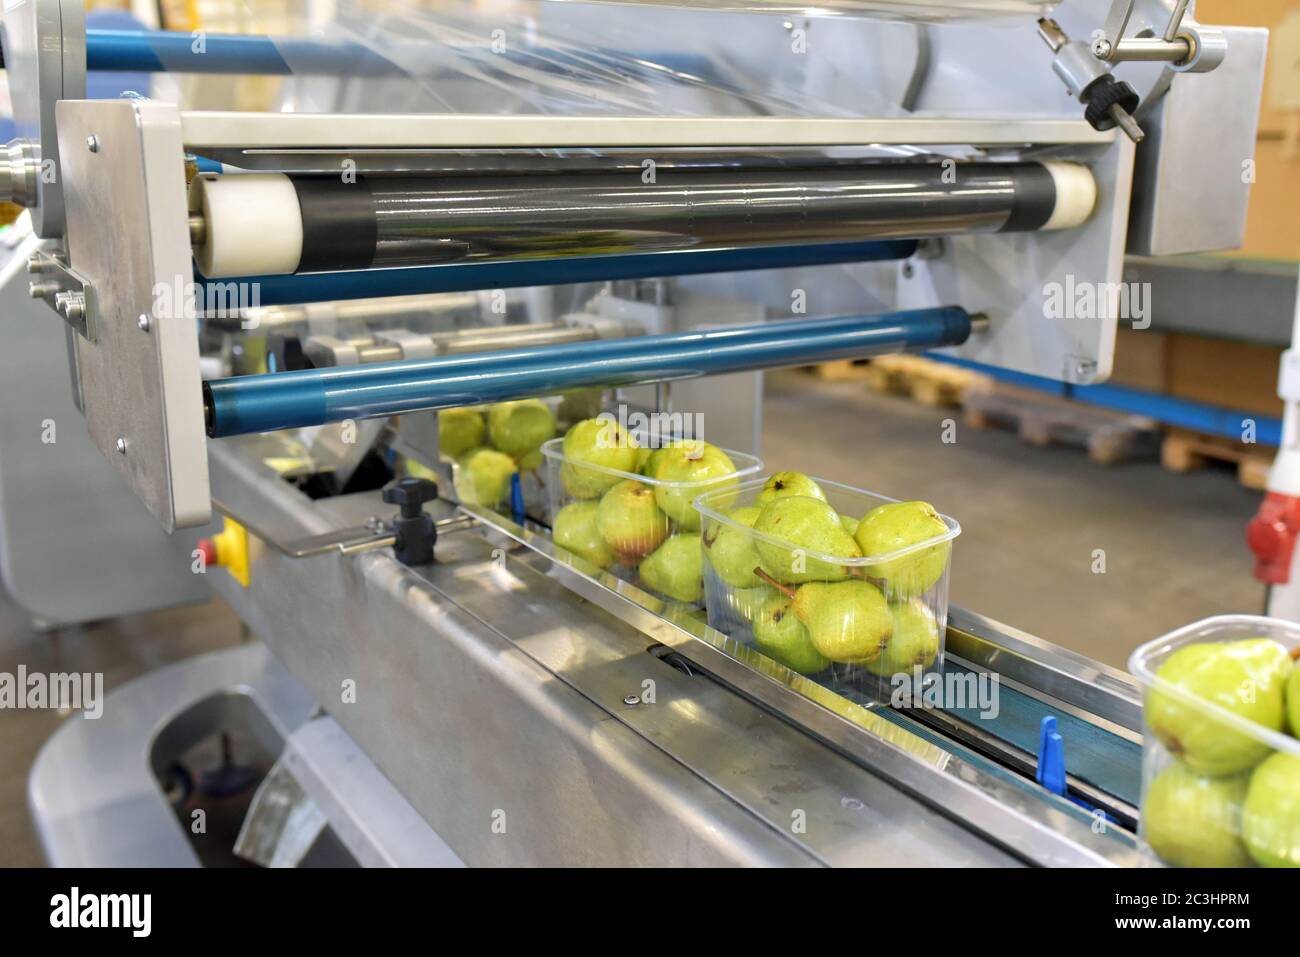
(632, 699)
(908, 270)
(1101, 49)
(71, 304)
(35, 264)
(143, 323)
(121, 445)
(92, 143)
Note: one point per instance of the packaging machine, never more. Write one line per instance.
(660, 227)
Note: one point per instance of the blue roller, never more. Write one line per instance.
(161, 51)
(216, 294)
(264, 403)
(164, 51)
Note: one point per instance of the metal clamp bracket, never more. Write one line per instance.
(66, 292)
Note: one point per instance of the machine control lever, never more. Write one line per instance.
(415, 531)
(1108, 102)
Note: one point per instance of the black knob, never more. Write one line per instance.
(1104, 93)
(410, 494)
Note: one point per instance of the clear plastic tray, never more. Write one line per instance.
(1218, 788)
(664, 517)
(493, 489)
(837, 620)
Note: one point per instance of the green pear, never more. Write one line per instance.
(850, 524)
(894, 525)
(703, 468)
(676, 568)
(1244, 677)
(806, 525)
(1271, 815)
(580, 404)
(575, 528)
(915, 641)
(1293, 701)
(1191, 821)
(630, 521)
(460, 430)
(848, 621)
(746, 602)
(781, 636)
(529, 461)
(788, 483)
(483, 477)
(649, 463)
(731, 550)
(601, 442)
(519, 428)
(643, 455)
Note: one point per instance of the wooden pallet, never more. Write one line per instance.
(925, 380)
(1184, 451)
(840, 370)
(1042, 419)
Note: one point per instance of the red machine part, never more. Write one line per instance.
(1272, 534)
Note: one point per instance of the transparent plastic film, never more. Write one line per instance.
(914, 11)
(844, 586)
(1221, 762)
(528, 58)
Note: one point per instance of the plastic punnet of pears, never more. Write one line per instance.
(775, 562)
(489, 445)
(618, 503)
(1226, 797)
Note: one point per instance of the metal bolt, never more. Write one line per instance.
(908, 270)
(39, 290)
(632, 699)
(121, 445)
(35, 264)
(143, 323)
(92, 143)
(1102, 49)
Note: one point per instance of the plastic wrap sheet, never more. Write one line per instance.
(540, 58)
(914, 11)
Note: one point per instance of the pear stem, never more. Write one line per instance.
(1295, 653)
(785, 589)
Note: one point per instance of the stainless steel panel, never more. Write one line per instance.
(127, 235)
(1192, 181)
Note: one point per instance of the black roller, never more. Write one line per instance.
(385, 221)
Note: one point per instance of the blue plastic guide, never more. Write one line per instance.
(1051, 766)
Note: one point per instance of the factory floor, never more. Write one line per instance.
(1036, 525)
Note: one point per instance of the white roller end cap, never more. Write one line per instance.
(253, 225)
(1076, 194)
